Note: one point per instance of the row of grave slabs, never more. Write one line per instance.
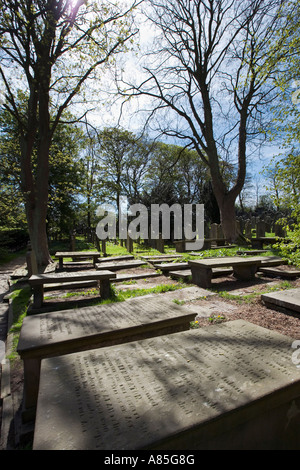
(134, 376)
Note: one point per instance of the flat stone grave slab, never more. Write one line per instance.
(287, 299)
(114, 266)
(181, 274)
(145, 283)
(228, 386)
(64, 332)
(171, 266)
(250, 252)
(108, 259)
(279, 272)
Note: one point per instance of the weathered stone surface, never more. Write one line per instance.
(226, 261)
(185, 294)
(276, 272)
(187, 273)
(231, 386)
(161, 257)
(58, 330)
(287, 299)
(271, 261)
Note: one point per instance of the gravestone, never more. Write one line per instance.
(280, 272)
(228, 386)
(268, 224)
(260, 229)
(103, 246)
(64, 332)
(213, 231)
(248, 229)
(72, 241)
(279, 230)
(129, 244)
(286, 300)
(160, 244)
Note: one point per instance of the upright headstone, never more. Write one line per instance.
(279, 229)
(268, 224)
(31, 261)
(103, 243)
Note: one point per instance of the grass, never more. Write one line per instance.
(19, 304)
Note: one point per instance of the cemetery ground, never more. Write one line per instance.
(228, 299)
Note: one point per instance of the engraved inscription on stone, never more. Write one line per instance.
(133, 395)
(59, 326)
